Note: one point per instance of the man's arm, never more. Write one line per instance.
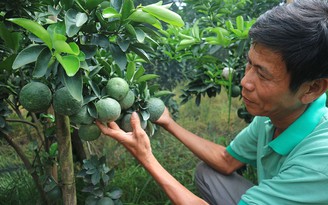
(138, 144)
(177, 193)
(211, 153)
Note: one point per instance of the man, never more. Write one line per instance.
(284, 86)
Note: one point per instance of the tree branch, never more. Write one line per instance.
(27, 164)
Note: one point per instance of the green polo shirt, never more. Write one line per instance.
(293, 168)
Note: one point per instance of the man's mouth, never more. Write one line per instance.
(247, 101)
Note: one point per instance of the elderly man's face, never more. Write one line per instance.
(266, 85)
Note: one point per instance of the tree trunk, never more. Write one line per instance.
(65, 156)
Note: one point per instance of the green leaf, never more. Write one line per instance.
(73, 21)
(117, 70)
(127, 7)
(27, 55)
(107, 67)
(53, 149)
(95, 88)
(237, 32)
(75, 48)
(141, 53)
(130, 29)
(11, 39)
(153, 88)
(59, 37)
(42, 63)
(110, 13)
(116, 194)
(81, 18)
(119, 56)
(62, 47)
(91, 171)
(49, 131)
(105, 178)
(88, 50)
(145, 114)
(229, 25)
(195, 30)
(220, 38)
(140, 35)
(164, 14)
(139, 73)
(220, 30)
(150, 128)
(240, 23)
(187, 42)
(67, 3)
(147, 77)
(70, 63)
(91, 4)
(95, 178)
(131, 68)
(93, 111)
(34, 28)
(6, 64)
(100, 40)
(144, 17)
(57, 28)
(74, 85)
(163, 93)
(81, 57)
(123, 43)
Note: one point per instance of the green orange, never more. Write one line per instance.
(108, 109)
(35, 97)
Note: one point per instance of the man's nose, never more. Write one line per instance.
(247, 82)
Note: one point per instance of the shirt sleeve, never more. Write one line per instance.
(244, 146)
(294, 186)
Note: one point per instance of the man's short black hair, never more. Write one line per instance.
(299, 32)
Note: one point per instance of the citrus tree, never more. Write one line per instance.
(67, 63)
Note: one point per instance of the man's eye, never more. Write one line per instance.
(261, 75)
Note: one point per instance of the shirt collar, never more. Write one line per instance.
(300, 128)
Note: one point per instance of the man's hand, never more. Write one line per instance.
(165, 119)
(136, 142)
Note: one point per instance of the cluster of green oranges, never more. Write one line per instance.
(114, 106)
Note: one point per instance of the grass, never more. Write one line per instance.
(16, 184)
(209, 120)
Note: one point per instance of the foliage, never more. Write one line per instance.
(97, 176)
(85, 45)
(215, 37)
(17, 186)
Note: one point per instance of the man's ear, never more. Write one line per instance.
(313, 90)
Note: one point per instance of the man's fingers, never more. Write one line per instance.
(101, 126)
(111, 130)
(135, 121)
(136, 126)
(113, 125)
